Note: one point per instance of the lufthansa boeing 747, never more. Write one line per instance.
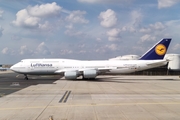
(71, 69)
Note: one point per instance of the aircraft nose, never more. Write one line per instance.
(12, 68)
(16, 67)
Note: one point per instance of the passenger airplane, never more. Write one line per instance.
(71, 69)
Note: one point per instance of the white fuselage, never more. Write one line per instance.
(71, 69)
(52, 66)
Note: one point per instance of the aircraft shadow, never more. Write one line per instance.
(10, 83)
(104, 80)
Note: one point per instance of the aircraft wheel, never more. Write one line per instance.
(26, 78)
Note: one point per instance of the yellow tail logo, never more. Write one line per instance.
(160, 49)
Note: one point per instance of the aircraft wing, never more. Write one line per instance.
(83, 69)
(63, 70)
(105, 69)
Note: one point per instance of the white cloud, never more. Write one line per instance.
(145, 30)
(136, 17)
(43, 49)
(113, 34)
(89, 1)
(32, 16)
(77, 17)
(5, 50)
(44, 10)
(113, 38)
(98, 39)
(176, 47)
(70, 26)
(147, 37)
(173, 28)
(1, 13)
(153, 31)
(166, 3)
(173, 23)
(65, 51)
(129, 28)
(23, 19)
(104, 1)
(46, 26)
(74, 18)
(1, 30)
(108, 18)
(135, 21)
(157, 26)
(72, 32)
(112, 47)
(81, 26)
(100, 50)
(25, 51)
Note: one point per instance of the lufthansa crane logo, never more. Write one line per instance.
(160, 49)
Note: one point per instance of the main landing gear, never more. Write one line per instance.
(26, 77)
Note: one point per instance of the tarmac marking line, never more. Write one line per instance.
(65, 97)
(90, 105)
(69, 92)
(17, 76)
(40, 89)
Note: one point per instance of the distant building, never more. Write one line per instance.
(4, 67)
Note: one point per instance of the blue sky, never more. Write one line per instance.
(85, 29)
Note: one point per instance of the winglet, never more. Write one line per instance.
(157, 51)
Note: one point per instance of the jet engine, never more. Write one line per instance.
(71, 74)
(88, 74)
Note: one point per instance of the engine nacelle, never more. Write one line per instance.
(70, 74)
(88, 74)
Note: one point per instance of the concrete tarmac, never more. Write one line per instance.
(106, 98)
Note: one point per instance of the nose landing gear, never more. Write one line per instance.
(26, 77)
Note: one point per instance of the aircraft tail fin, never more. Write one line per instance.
(157, 51)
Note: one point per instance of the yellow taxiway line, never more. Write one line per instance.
(90, 105)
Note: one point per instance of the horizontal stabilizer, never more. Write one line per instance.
(157, 63)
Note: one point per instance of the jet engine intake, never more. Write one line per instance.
(70, 75)
(89, 74)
